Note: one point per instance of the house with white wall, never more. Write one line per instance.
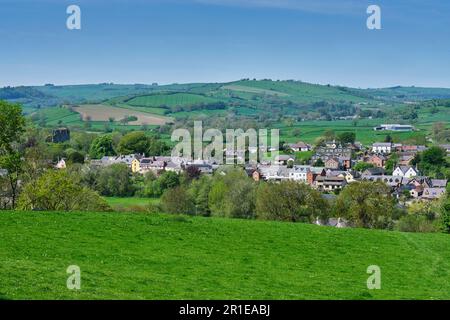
(405, 171)
(382, 147)
(299, 173)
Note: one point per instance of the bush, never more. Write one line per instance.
(102, 146)
(415, 223)
(59, 191)
(428, 209)
(232, 194)
(199, 190)
(362, 166)
(290, 201)
(154, 208)
(134, 142)
(177, 201)
(367, 204)
(75, 157)
(115, 181)
(139, 142)
(444, 219)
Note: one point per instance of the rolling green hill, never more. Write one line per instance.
(169, 99)
(92, 92)
(296, 91)
(409, 93)
(141, 256)
(288, 105)
(246, 98)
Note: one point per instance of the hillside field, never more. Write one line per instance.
(62, 116)
(301, 92)
(99, 112)
(142, 256)
(298, 109)
(311, 130)
(170, 100)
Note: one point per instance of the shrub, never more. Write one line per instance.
(115, 181)
(415, 223)
(289, 201)
(75, 157)
(177, 201)
(362, 166)
(199, 190)
(58, 190)
(367, 204)
(154, 208)
(232, 194)
(102, 146)
(134, 142)
(444, 219)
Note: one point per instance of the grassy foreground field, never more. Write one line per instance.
(138, 256)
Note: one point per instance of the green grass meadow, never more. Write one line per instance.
(311, 130)
(296, 91)
(169, 99)
(142, 256)
(131, 203)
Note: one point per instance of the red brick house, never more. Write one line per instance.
(377, 160)
(332, 163)
(313, 173)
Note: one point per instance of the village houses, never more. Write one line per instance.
(382, 147)
(377, 160)
(332, 177)
(405, 171)
(299, 147)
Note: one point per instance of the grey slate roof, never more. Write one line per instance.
(439, 183)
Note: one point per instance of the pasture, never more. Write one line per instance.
(300, 92)
(309, 131)
(131, 203)
(144, 256)
(100, 112)
(235, 87)
(169, 100)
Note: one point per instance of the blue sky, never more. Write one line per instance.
(166, 41)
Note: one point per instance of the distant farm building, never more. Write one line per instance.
(394, 127)
(299, 146)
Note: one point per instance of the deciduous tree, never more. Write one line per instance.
(12, 124)
(102, 146)
(178, 201)
(58, 190)
(290, 201)
(366, 204)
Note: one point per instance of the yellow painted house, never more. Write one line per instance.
(135, 165)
